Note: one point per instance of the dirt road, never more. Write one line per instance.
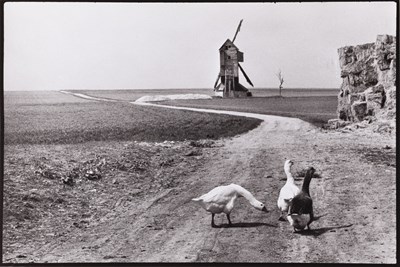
(354, 204)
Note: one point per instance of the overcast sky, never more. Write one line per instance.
(54, 46)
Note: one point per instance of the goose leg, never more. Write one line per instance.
(229, 219)
(311, 220)
(282, 217)
(212, 220)
(308, 225)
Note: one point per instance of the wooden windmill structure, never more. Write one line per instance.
(230, 56)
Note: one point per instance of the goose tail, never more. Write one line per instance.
(196, 199)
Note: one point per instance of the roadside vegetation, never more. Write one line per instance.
(103, 178)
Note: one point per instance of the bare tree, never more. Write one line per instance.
(280, 77)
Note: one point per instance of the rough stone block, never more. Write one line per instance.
(359, 110)
(368, 71)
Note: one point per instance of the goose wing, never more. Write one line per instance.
(220, 194)
(288, 191)
(217, 199)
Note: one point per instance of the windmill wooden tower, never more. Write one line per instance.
(230, 56)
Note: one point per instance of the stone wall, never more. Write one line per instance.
(368, 90)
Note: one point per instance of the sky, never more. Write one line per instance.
(56, 46)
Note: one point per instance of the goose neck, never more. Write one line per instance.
(306, 184)
(289, 175)
(244, 193)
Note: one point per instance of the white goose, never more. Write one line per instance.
(288, 191)
(222, 199)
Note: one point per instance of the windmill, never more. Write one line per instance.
(230, 56)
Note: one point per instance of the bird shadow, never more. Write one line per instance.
(244, 225)
(323, 230)
(296, 179)
(316, 218)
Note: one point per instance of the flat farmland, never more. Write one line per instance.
(316, 106)
(53, 117)
(132, 95)
(314, 109)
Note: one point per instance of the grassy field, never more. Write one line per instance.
(132, 95)
(314, 109)
(316, 106)
(53, 117)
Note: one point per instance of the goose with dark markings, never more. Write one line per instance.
(300, 212)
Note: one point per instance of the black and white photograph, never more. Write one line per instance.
(194, 132)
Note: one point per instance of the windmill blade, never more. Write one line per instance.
(216, 82)
(238, 29)
(245, 75)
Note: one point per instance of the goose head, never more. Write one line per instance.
(258, 205)
(310, 171)
(288, 165)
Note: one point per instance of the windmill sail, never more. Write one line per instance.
(238, 29)
(245, 75)
(216, 82)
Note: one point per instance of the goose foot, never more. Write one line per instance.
(281, 218)
(229, 219)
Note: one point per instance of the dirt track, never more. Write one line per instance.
(354, 204)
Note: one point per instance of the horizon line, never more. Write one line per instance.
(198, 88)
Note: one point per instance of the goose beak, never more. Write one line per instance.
(264, 209)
